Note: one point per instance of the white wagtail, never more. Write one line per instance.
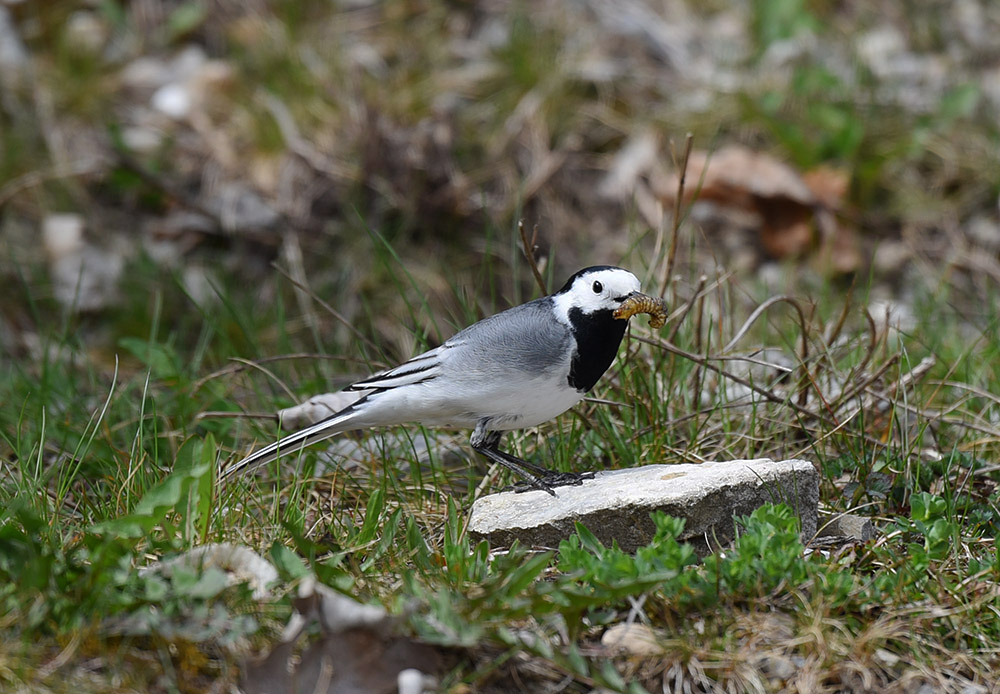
(516, 369)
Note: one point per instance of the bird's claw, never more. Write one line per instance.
(550, 481)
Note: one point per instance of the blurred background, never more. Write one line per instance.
(165, 158)
(213, 209)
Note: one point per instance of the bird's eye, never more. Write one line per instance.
(598, 287)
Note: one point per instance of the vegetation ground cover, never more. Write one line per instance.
(408, 171)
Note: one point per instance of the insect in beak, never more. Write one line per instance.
(636, 303)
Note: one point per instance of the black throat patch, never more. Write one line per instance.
(598, 336)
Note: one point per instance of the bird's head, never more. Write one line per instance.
(604, 288)
(598, 288)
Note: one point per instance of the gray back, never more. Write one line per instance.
(527, 338)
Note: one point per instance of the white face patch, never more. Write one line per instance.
(603, 289)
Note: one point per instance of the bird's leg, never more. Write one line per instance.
(487, 443)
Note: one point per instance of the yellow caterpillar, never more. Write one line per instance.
(640, 303)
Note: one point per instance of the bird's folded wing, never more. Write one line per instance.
(420, 369)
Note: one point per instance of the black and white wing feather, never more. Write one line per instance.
(419, 369)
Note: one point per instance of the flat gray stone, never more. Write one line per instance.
(616, 504)
(847, 525)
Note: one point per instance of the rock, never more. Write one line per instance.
(173, 100)
(886, 658)
(776, 666)
(241, 565)
(616, 504)
(147, 74)
(14, 62)
(317, 408)
(412, 681)
(847, 525)
(892, 314)
(177, 87)
(984, 231)
(240, 208)
(141, 140)
(84, 278)
(633, 639)
(62, 235)
(85, 32)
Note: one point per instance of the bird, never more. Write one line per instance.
(513, 370)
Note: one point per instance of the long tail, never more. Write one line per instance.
(331, 426)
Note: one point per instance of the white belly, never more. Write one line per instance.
(463, 405)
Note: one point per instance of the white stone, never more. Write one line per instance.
(173, 100)
(62, 234)
(317, 408)
(13, 55)
(145, 73)
(633, 639)
(84, 277)
(616, 504)
(241, 564)
(84, 31)
(141, 140)
(412, 681)
(847, 525)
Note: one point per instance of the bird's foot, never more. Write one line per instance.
(547, 482)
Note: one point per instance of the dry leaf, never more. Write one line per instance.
(795, 210)
(828, 184)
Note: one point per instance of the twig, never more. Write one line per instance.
(751, 359)
(687, 308)
(175, 192)
(871, 347)
(937, 416)
(974, 390)
(756, 314)
(612, 403)
(697, 375)
(242, 366)
(529, 254)
(292, 251)
(834, 331)
(907, 380)
(865, 385)
(676, 229)
(707, 362)
(803, 387)
(297, 144)
(274, 377)
(32, 179)
(712, 409)
(848, 393)
(221, 414)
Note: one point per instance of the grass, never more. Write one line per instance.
(110, 467)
